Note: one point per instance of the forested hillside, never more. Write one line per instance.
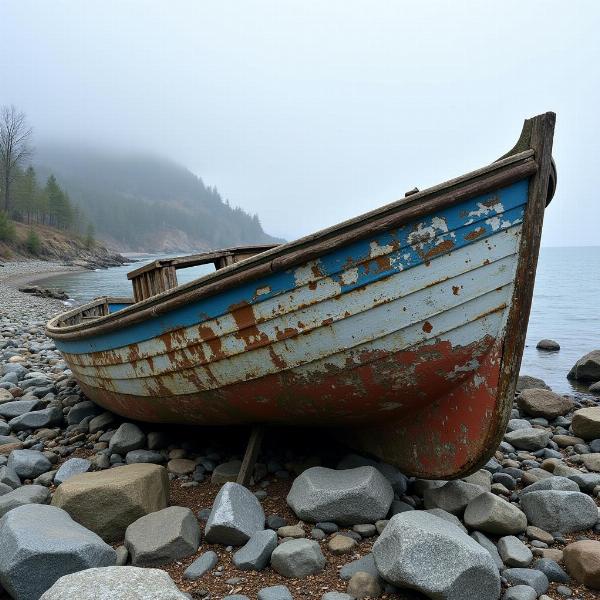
(143, 202)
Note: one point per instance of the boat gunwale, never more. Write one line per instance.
(484, 180)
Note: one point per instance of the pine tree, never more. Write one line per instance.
(33, 241)
(26, 194)
(89, 237)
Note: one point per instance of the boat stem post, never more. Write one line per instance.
(251, 454)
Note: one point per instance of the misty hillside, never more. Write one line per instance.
(147, 203)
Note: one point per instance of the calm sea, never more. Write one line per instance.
(566, 306)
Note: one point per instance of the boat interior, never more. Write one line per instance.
(159, 276)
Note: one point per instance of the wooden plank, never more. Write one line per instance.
(252, 450)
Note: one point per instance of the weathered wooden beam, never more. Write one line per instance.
(252, 450)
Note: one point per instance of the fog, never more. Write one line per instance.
(309, 112)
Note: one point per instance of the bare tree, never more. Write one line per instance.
(14, 147)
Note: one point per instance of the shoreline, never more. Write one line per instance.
(34, 278)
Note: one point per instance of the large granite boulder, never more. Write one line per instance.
(422, 552)
(235, 516)
(162, 537)
(537, 402)
(107, 502)
(347, 497)
(586, 423)
(555, 510)
(115, 583)
(587, 368)
(40, 544)
(298, 558)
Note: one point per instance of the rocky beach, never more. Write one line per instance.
(95, 506)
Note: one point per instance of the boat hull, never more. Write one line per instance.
(406, 340)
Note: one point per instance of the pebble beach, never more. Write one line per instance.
(89, 500)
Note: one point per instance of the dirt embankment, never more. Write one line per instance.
(63, 246)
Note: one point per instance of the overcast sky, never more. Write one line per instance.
(310, 112)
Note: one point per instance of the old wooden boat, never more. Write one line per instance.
(402, 328)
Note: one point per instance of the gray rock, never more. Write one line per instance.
(144, 456)
(47, 417)
(8, 439)
(5, 489)
(527, 381)
(40, 544)
(420, 551)
(528, 439)
(27, 494)
(225, 472)
(586, 481)
(71, 467)
(28, 464)
(398, 506)
(587, 368)
(352, 461)
(492, 514)
(552, 483)
(514, 552)
(256, 553)
(586, 423)
(101, 422)
(336, 596)
(9, 477)
(298, 558)
(367, 530)
(365, 564)
(115, 583)
(520, 592)
(363, 585)
(126, 438)
(538, 402)
(122, 556)
(10, 410)
(516, 424)
(549, 345)
(157, 440)
(80, 411)
(348, 497)
(4, 428)
(484, 541)
(531, 577)
(554, 510)
(275, 592)
(442, 514)
(452, 497)
(163, 536)
(235, 516)
(204, 563)
(552, 570)
(398, 480)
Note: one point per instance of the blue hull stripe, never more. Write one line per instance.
(413, 244)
